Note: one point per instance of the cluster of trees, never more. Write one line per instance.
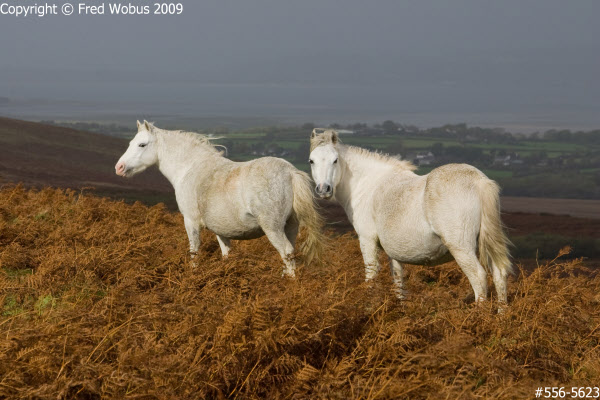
(567, 136)
(464, 133)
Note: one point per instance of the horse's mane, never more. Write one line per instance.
(200, 139)
(197, 139)
(382, 157)
(322, 137)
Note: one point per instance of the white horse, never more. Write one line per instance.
(235, 200)
(425, 220)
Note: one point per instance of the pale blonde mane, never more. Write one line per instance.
(381, 157)
(322, 137)
(195, 139)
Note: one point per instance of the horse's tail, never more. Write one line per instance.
(493, 243)
(305, 208)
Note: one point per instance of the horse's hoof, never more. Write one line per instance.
(470, 298)
(401, 294)
(288, 274)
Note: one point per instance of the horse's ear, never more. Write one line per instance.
(334, 137)
(147, 126)
(138, 125)
(316, 132)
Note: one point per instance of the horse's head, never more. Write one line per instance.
(324, 165)
(141, 152)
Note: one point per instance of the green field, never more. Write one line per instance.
(568, 170)
(412, 143)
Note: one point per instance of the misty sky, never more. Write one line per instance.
(502, 62)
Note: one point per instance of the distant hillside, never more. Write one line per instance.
(43, 155)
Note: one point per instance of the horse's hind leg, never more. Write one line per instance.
(291, 230)
(500, 283)
(468, 262)
(279, 240)
(225, 245)
(398, 275)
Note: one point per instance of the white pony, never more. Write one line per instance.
(235, 200)
(425, 220)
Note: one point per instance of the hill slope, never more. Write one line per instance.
(99, 300)
(44, 155)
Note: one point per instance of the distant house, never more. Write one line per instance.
(507, 160)
(502, 160)
(424, 159)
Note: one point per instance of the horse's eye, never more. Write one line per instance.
(142, 144)
(311, 161)
(335, 161)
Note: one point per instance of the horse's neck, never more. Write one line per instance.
(177, 157)
(360, 177)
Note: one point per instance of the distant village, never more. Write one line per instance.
(555, 163)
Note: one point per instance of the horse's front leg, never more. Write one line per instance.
(369, 249)
(398, 275)
(193, 231)
(225, 245)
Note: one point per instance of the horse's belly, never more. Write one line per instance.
(235, 227)
(246, 235)
(424, 249)
(433, 258)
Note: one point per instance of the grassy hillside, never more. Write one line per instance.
(44, 155)
(99, 300)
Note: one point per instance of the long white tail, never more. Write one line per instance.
(305, 209)
(493, 243)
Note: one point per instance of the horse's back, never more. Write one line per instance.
(267, 186)
(452, 201)
(267, 173)
(267, 167)
(453, 175)
(451, 185)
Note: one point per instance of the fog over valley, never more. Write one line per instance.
(522, 66)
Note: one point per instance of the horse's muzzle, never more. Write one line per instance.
(324, 191)
(120, 169)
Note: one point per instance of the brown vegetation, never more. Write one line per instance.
(99, 299)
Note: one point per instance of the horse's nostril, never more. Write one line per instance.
(323, 189)
(120, 167)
